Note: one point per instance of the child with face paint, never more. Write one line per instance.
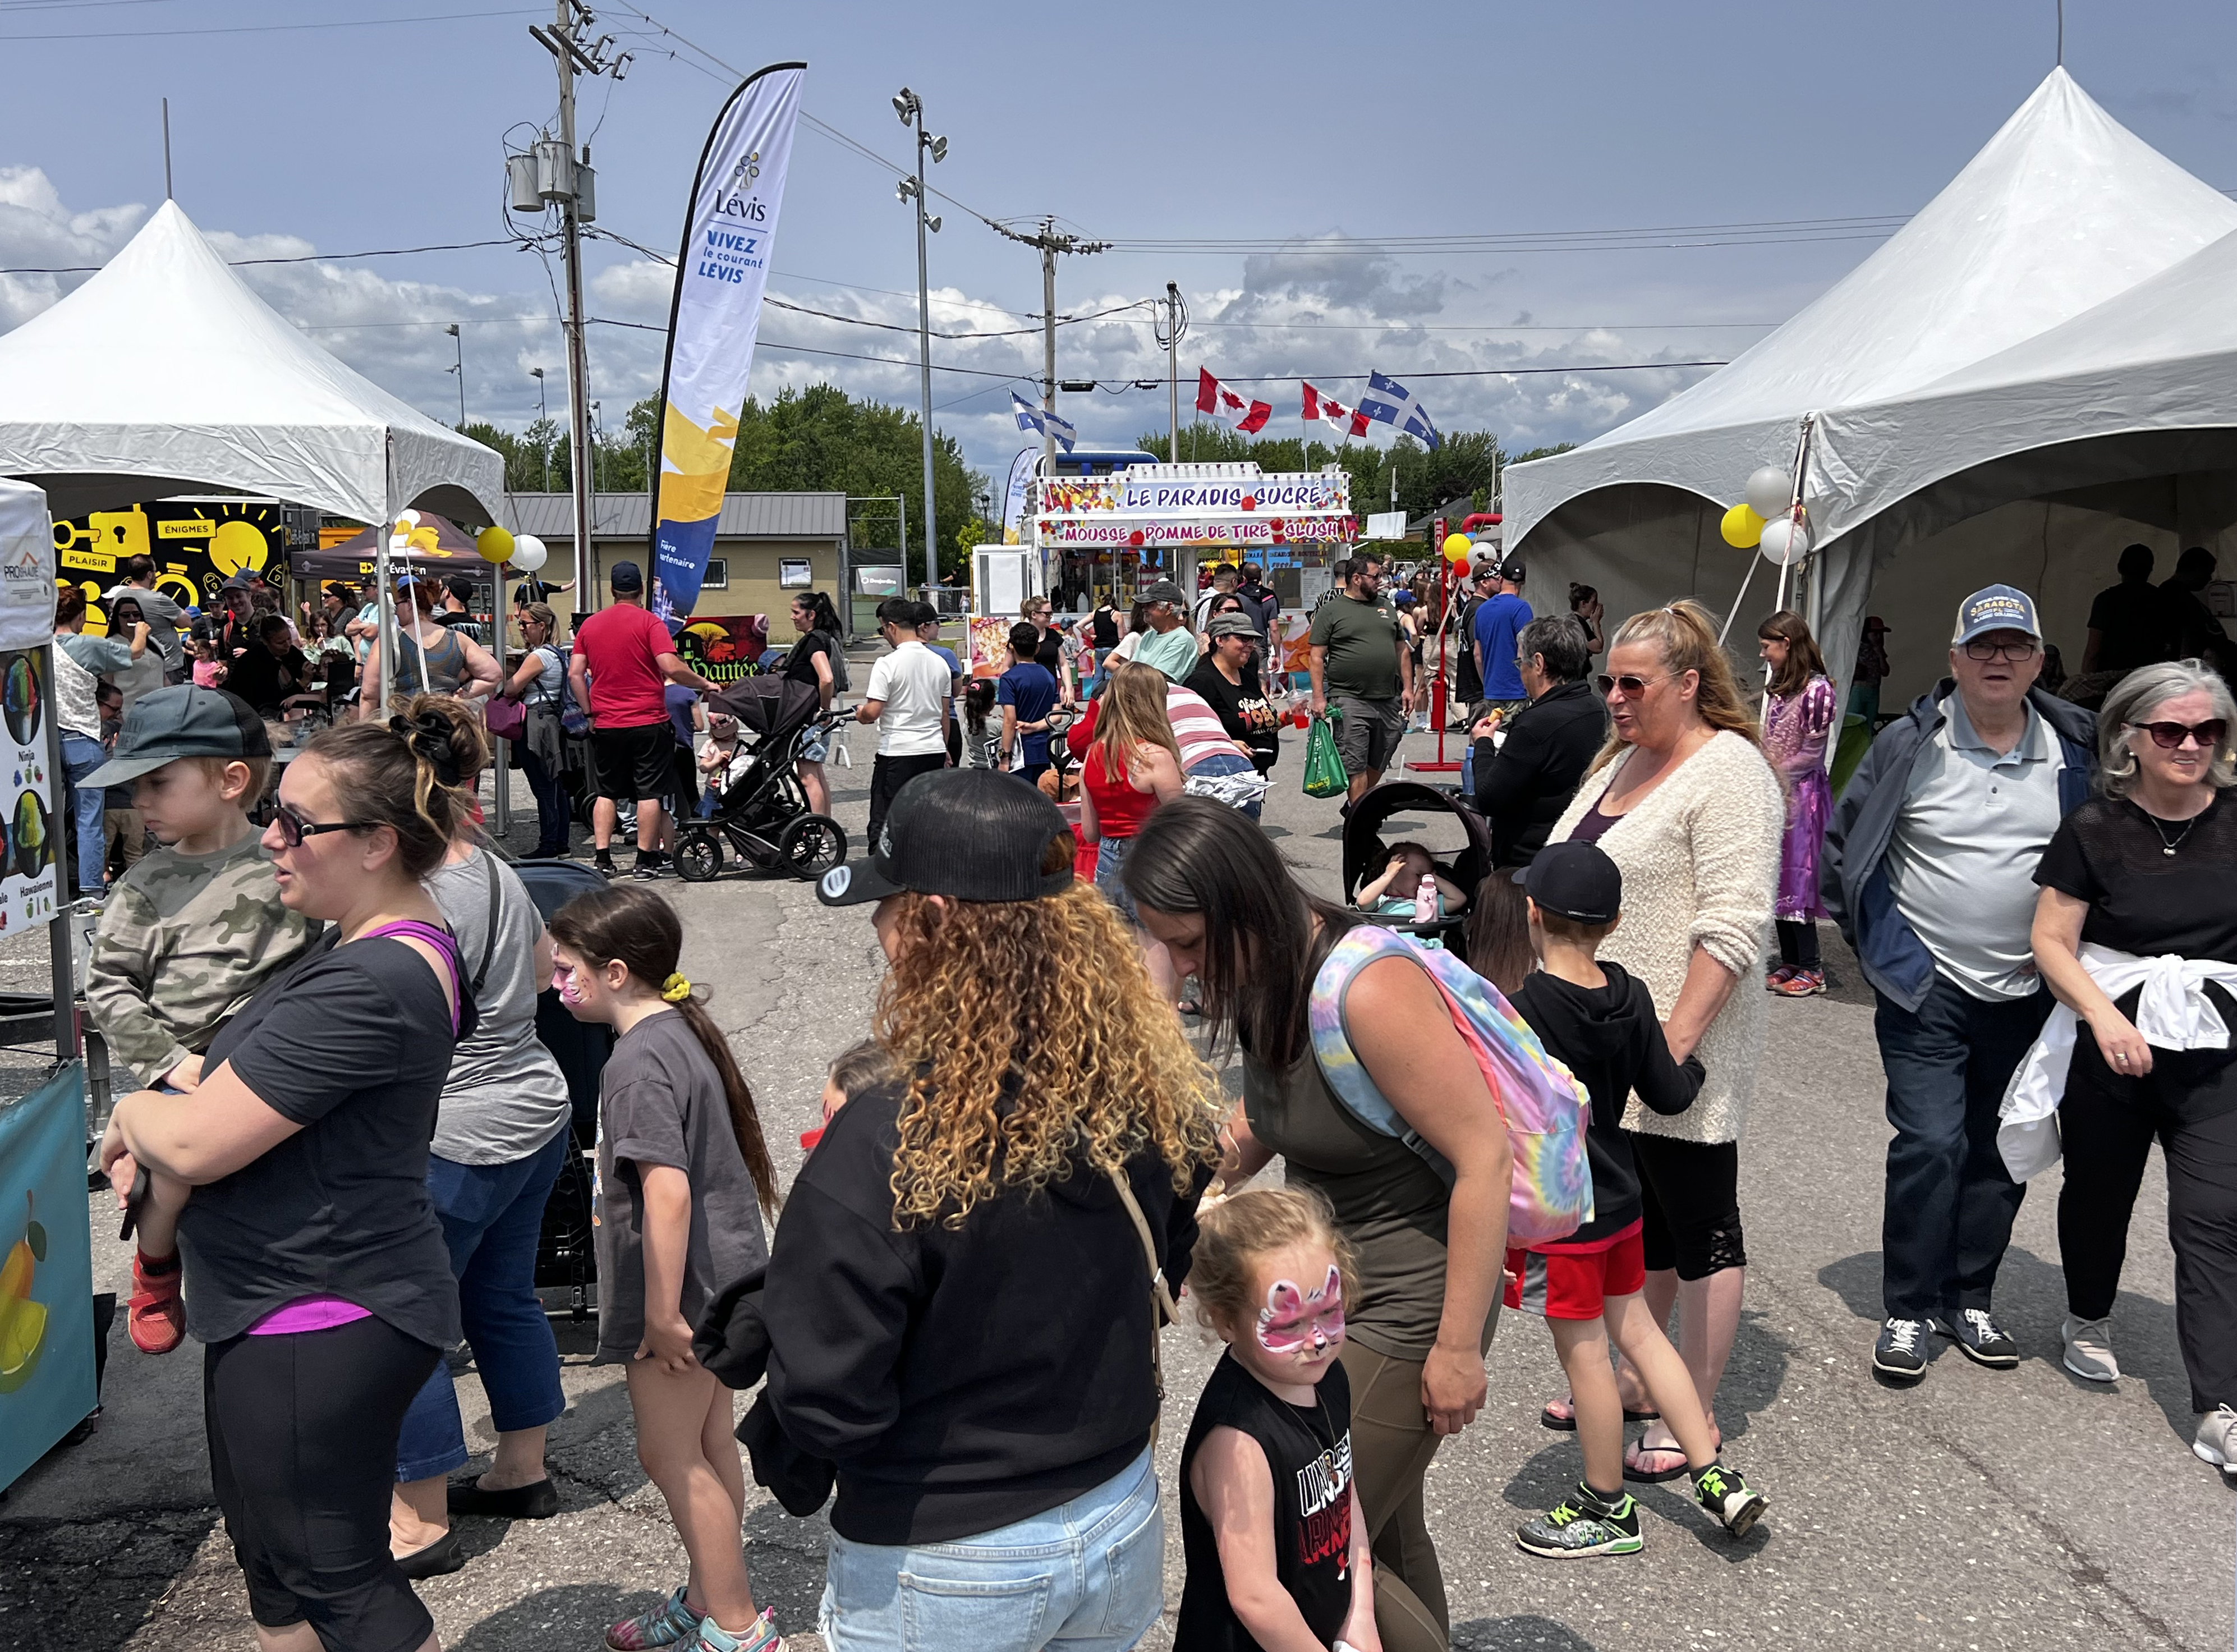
(684, 1183)
(1277, 1549)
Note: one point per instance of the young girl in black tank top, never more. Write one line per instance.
(1277, 1547)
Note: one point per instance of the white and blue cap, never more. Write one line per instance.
(1994, 608)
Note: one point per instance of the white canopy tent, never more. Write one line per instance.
(164, 373)
(1977, 334)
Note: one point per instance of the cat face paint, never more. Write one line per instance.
(1293, 1322)
(563, 977)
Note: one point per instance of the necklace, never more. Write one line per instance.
(2167, 846)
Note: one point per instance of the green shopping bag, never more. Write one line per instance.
(1324, 774)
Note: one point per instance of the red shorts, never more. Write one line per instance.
(1565, 1283)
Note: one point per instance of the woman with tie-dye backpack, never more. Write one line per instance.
(1332, 1014)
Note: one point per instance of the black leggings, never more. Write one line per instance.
(302, 1445)
(1691, 1198)
(1798, 943)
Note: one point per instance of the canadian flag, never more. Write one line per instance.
(1214, 398)
(1344, 420)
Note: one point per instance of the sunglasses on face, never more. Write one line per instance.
(2169, 736)
(1630, 687)
(2017, 653)
(294, 826)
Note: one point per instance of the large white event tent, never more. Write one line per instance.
(164, 373)
(2040, 367)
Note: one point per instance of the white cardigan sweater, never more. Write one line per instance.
(1699, 857)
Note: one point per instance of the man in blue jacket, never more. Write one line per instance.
(1929, 869)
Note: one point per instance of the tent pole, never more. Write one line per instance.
(386, 599)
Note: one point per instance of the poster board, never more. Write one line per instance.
(28, 840)
(27, 567)
(990, 644)
(723, 648)
(46, 1271)
(196, 545)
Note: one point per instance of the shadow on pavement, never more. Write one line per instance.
(572, 1615)
(101, 1577)
(1528, 1633)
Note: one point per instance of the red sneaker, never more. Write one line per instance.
(1801, 983)
(155, 1317)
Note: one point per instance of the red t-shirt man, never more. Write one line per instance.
(623, 661)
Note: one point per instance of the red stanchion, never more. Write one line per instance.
(1437, 687)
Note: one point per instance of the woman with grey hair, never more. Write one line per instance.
(2135, 931)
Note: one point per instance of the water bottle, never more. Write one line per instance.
(1425, 899)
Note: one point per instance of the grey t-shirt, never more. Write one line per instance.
(505, 1097)
(660, 1102)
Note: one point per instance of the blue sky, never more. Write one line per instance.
(1309, 127)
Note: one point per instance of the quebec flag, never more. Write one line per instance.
(1035, 421)
(730, 235)
(1390, 403)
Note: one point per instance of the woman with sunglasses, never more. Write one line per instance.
(1683, 800)
(2134, 877)
(316, 1272)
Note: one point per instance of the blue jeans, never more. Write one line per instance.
(550, 790)
(492, 1216)
(80, 757)
(1950, 1202)
(1086, 1575)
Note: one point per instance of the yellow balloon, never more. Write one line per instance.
(494, 545)
(1741, 527)
(1457, 547)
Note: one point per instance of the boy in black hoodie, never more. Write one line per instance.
(1602, 1023)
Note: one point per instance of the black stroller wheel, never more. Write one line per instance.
(811, 846)
(698, 856)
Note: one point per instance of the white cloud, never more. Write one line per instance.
(1307, 312)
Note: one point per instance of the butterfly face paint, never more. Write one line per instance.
(1293, 1322)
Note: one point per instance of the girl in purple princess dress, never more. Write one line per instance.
(1797, 720)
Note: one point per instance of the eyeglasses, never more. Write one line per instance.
(2017, 653)
(295, 828)
(1630, 687)
(2169, 736)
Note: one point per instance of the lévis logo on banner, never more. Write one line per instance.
(729, 234)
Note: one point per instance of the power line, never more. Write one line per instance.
(280, 27)
(302, 258)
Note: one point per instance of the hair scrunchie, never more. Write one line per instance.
(676, 989)
(429, 736)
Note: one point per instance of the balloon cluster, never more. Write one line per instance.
(1768, 520)
(1457, 546)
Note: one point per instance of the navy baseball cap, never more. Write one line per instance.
(183, 721)
(968, 834)
(1994, 608)
(626, 575)
(1575, 880)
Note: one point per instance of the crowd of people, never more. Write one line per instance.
(348, 1131)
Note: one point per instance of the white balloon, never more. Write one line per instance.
(1770, 491)
(1784, 542)
(528, 553)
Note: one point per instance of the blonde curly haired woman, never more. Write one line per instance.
(959, 1300)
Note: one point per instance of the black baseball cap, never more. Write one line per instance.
(1512, 570)
(968, 834)
(626, 575)
(181, 722)
(1575, 880)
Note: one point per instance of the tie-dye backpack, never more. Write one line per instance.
(1546, 1109)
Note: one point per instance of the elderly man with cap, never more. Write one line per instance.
(1497, 630)
(1168, 644)
(1929, 869)
(624, 659)
(1360, 665)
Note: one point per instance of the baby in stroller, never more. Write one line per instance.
(1398, 889)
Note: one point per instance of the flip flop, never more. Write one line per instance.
(1560, 1415)
(1635, 1453)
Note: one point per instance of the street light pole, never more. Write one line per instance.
(910, 108)
(460, 369)
(543, 417)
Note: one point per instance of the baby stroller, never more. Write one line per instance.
(566, 1256)
(763, 813)
(1366, 851)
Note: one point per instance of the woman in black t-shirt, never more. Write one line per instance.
(316, 1272)
(2145, 872)
(1227, 680)
(810, 660)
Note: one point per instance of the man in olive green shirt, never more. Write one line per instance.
(1360, 664)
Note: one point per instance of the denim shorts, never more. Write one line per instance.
(814, 748)
(1087, 1576)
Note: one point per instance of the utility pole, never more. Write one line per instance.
(1049, 244)
(554, 173)
(1175, 324)
(910, 108)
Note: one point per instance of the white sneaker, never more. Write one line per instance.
(2217, 1441)
(2089, 1350)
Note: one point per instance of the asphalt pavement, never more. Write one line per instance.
(1979, 1510)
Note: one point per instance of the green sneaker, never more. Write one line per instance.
(1583, 1523)
(1725, 1495)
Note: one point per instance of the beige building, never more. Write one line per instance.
(767, 547)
